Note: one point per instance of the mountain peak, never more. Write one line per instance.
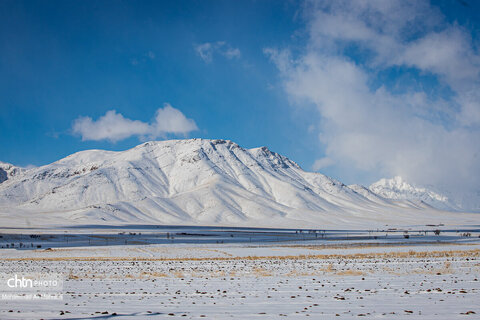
(397, 188)
(8, 171)
(396, 182)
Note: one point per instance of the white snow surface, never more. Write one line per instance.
(244, 282)
(207, 182)
(7, 171)
(398, 189)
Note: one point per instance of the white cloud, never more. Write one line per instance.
(171, 120)
(232, 53)
(207, 49)
(322, 163)
(114, 127)
(424, 137)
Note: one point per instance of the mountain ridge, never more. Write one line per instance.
(196, 181)
(8, 170)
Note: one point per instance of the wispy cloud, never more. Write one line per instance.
(208, 49)
(374, 127)
(232, 53)
(149, 55)
(114, 126)
(322, 163)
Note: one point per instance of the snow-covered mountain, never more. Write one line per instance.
(398, 189)
(8, 171)
(199, 181)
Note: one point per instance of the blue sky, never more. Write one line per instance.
(271, 73)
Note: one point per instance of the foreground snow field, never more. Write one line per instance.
(437, 278)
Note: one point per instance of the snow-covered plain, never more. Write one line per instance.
(186, 229)
(316, 278)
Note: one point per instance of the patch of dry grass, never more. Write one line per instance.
(261, 272)
(474, 253)
(153, 274)
(366, 245)
(350, 272)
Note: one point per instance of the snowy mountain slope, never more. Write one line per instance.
(8, 171)
(398, 189)
(367, 193)
(194, 181)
